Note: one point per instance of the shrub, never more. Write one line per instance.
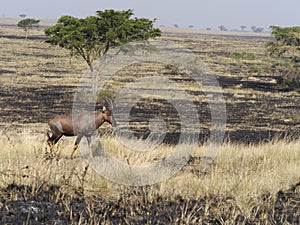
(242, 55)
(256, 69)
(287, 47)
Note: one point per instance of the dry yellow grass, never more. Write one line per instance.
(24, 62)
(243, 171)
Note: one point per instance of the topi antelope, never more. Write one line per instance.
(81, 124)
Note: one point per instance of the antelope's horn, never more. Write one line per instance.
(108, 102)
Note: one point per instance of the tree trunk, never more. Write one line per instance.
(94, 79)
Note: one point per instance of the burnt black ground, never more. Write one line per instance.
(251, 119)
(265, 111)
(137, 206)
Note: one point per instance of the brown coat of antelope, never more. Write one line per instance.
(80, 125)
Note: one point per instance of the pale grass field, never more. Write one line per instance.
(32, 62)
(243, 171)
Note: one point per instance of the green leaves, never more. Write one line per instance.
(92, 36)
(287, 35)
(76, 35)
(28, 24)
(287, 42)
(287, 46)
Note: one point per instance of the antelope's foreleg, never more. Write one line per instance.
(78, 139)
(56, 134)
(52, 141)
(49, 141)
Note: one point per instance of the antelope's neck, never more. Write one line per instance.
(99, 119)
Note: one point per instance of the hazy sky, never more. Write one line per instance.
(201, 14)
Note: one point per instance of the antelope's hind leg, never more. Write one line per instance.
(89, 141)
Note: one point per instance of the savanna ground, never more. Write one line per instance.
(254, 179)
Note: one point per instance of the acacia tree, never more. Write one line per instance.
(28, 24)
(93, 36)
(222, 28)
(287, 46)
(243, 27)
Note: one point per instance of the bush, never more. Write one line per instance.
(256, 69)
(243, 55)
(287, 46)
(292, 81)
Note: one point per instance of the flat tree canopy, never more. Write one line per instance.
(93, 36)
(28, 24)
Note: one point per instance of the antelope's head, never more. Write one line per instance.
(107, 111)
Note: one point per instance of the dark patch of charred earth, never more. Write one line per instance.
(34, 105)
(251, 117)
(257, 108)
(21, 204)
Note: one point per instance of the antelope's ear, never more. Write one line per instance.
(103, 109)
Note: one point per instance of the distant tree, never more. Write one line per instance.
(28, 24)
(191, 26)
(243, 27)
(253, 28)
(93, 36)
(223, 28)
(23, 15)
(176, 25)
(257, 29)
